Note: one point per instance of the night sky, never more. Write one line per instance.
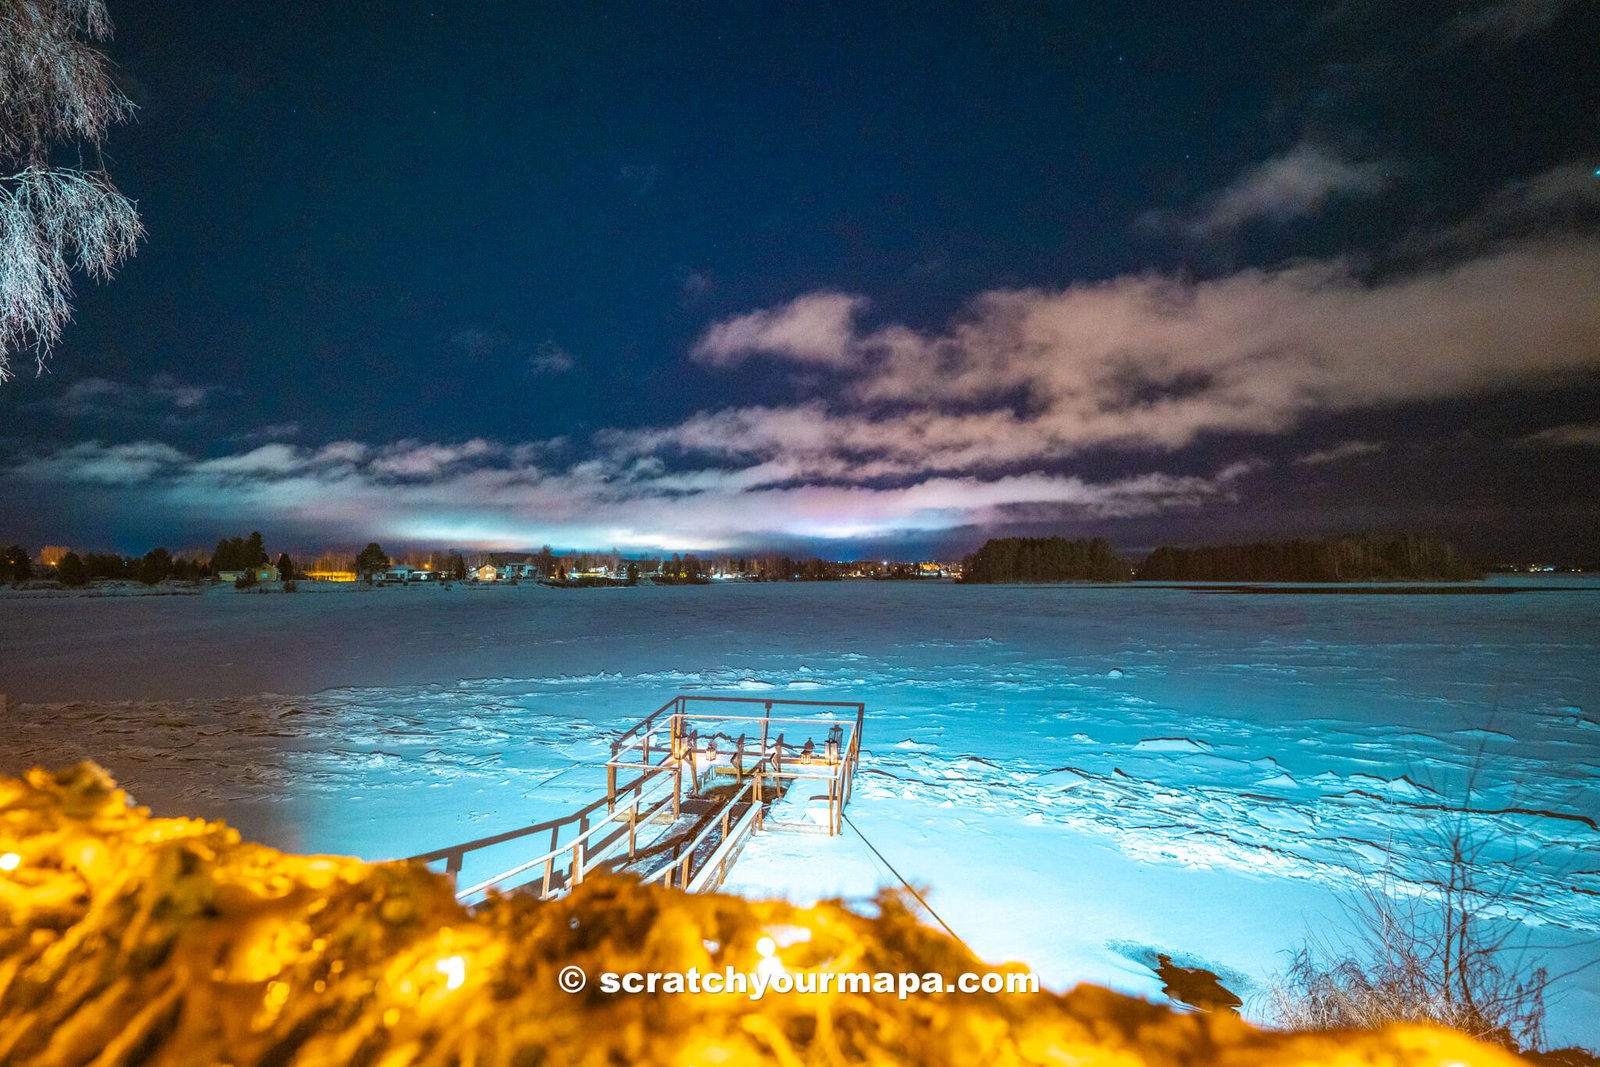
(846, 279)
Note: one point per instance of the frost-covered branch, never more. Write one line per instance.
(54, 84)
(52, 222)
(55, 88)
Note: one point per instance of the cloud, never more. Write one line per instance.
(94, 463)
(1030, 376)
(987, 420)
(1557, 191)
(1570, 435)
(1505, 21)
(160, 396)
(481, 345)
(271, 432)
(477, 343)
(415, 459)
(550, 358)
(1287, 187)
(696, 284)
(817, 328)
(487, 494)
(1562, 195)
(1340, 452)
(1563, 198)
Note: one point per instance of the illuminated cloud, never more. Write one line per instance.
(982, 423)
(815, 328)
(1143, 362)
(1287, 187)
(480, 494)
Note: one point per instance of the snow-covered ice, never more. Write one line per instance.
(1077, 776)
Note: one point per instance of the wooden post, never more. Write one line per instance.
(677, 788)
(611, 787)
(577, 863)
(694, 766)
(738, 762)
(452, 863)
(633, 829)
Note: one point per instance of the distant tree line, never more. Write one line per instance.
(1368, 558)
(156, 566)
(1044, 559)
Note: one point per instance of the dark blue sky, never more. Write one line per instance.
(850, 277)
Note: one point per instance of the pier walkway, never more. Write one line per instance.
(686, 787)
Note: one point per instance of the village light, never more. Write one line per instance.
(10, 861)
(454, 969)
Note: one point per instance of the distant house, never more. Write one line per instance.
(490, 571)
(403, 573)
(266, 572)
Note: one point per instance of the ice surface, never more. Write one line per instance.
(1065, 769)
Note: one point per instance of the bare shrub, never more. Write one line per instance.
(1428, 957)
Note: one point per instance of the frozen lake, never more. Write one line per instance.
(1081, 776)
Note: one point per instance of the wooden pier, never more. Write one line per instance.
(686, 787)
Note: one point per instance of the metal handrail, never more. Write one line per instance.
(454, 854)
(577, 847)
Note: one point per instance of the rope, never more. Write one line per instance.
(541, 783)
(909, 887)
